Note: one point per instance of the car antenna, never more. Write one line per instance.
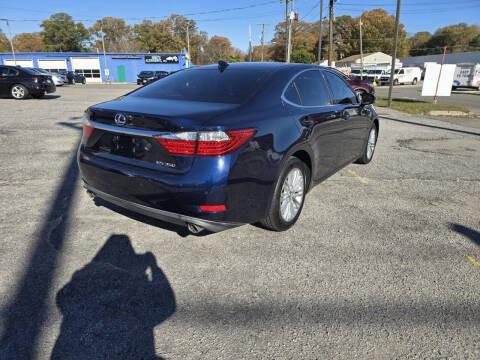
(222, 65)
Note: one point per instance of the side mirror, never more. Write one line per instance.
(368, 99)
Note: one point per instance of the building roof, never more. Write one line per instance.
(353, 57)
(452, 58)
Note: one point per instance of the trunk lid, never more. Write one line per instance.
(133, 143)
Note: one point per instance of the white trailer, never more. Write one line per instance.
(467, 76)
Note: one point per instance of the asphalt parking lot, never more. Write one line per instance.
(384, 261)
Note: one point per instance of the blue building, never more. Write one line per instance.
(97, 67)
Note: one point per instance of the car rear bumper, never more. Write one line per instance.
(171, 217)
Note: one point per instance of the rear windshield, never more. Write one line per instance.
(31, 71)
(231, 86)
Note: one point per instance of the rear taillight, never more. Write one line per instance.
(205, 143)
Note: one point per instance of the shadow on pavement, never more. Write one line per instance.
(429, 126)
(111, 306)
(471, 234)
(25, 315)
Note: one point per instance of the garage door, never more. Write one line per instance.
(22, 63)
(53, 65)
(88, 67)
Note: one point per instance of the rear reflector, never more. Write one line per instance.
(213, 208)
(205, 143)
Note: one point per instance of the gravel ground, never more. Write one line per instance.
(383, 263)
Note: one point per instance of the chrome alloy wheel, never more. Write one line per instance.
(372, 139)
(291, 197)
(18, 92)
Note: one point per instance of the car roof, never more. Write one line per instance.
(259, 66)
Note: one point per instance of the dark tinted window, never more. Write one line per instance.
(28, 71)
(209, 85)
(291, 94)
(341, 92)
(311, 88)
(5, 71)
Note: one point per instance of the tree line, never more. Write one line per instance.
(61, 33)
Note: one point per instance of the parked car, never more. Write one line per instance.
(406, 75)
(19, 82)
(358, 85)
(215, 147)
(374, 75)
(146, 77)
(467, 76)
(74, 78)
(58, 80)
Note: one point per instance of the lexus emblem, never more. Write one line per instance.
(120, 119)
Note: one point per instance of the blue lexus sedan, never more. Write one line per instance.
(218, 146)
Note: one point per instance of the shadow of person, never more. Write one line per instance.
(111, 306)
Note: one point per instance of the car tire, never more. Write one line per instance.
(288, 196)
(84, 81)
(395, 82)
(19, 92)
(414, 82)
(370, 145)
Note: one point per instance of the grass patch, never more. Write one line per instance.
(418, 107)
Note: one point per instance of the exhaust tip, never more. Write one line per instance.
(194, 229)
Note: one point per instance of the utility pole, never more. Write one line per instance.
(287, 31)
(10, 39)
(262, 38)
(330, 32)
(320, 33)
(291, 18)
(250, 50)
(440, 74)
(361, 50)
(188, 44)
(107, 70)
(394, 54)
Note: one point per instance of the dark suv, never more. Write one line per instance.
(19, 83)
(146, 77)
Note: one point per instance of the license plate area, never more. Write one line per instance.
(131, 147)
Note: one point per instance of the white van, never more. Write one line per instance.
(406, 75)
(467, 75)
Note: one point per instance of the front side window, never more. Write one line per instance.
(311, 88)
(3, 71)
(341, 92)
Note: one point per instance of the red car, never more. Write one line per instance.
(358, 85)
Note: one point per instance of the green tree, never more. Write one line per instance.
(418, 43)
(118, 35)
(4, 43)
(457, 38)
(378, 31)
(61, 33)
(28, 42)
(218, 48)
(302, 56)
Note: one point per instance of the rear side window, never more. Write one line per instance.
(341, 92)
(311, 89)
(291, 94)
(231, 86)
